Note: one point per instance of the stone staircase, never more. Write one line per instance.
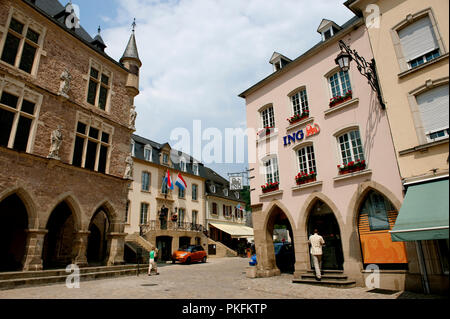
(12, 280)
(330, 278)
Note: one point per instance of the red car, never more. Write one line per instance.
(189, 254)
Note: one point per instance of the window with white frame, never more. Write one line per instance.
(419, 43)
(307, 159)
(133, 148)
(194, 191)
(148, 153)
(300, 102)
(99, 86)
(433, 107)
(195, 168)
(339, 83)
(22, 43)
(144, 214)
(92, 145)
(225, 192)
(181, 216)
(268, 117)
(350, 146)
(182, 164)
(271, 170)
(146, 181)
(18, 114)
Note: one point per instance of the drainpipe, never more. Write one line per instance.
(423, 268)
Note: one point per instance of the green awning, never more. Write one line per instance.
(424, 213)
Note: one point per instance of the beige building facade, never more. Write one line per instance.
(410, 43)
(167, 219)
(64, 137)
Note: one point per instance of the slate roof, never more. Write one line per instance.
(54, 11)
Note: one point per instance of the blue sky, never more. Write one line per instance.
(199, 55)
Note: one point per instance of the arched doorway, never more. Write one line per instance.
(13, 236)
(376, 218)
(164, 245)
(279, 229)
(58, 244)
(322, 218)
(97, 240)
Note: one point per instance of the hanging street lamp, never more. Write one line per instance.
(367, 69)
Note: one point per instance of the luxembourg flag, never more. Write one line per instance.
(180, 182)
(168, 180)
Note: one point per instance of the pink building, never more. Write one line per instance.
(313, 118)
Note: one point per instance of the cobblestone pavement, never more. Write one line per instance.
(221, 278)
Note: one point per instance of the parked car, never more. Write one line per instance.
(284, 256)
(189, 254)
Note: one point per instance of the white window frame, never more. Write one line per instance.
(148, 181)
(339, 80)
(93, 64)
(299, 101)
(183, 164)
(144, 213)
(28, 24)
(102, 128)
(148, 150)
(351, 148)
(271, 169)
(133, 148)
(18, 89)
(195, 168)
(225, 191)
(310, 163)
(268, 117)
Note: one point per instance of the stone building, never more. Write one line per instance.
(411, 47)
(65, 129)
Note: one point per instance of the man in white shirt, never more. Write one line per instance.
(316, 241)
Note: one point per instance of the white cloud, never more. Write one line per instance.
(198, 55)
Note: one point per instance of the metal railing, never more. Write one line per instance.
(155, 225)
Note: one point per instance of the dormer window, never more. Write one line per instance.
(225, 192)
(328, 29)
(212, 188)
(279, 61)
(182, 164)
(148, 153)
(195, 168)
(165, 158)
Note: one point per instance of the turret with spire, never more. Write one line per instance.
(131, 61)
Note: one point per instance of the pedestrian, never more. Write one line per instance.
(316, 241)
(152, 264)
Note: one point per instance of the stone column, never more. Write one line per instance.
(116, 243)
(302, 263)
(80, 248)
(353, 263)
(32, 261)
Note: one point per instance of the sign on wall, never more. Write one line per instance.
(300, 135)
(236, 183)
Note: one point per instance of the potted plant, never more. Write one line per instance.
(304, 178)
(352, 167)
(299, 117)
(341, 99)
(270, 187)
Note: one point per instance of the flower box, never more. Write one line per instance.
(265, 131)
(305, 178)
(270, 187)
(352, 167)
(341, 99)
(299, 117)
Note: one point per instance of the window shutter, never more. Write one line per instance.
(418, 39)
(433, 106)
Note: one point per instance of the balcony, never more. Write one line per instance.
(156, 225)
